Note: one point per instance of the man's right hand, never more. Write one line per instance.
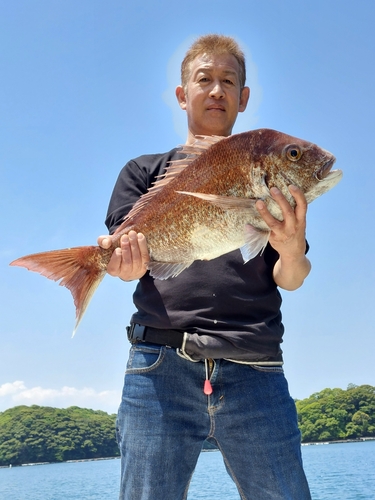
(129, 261)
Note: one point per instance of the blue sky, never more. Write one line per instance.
(87, 85)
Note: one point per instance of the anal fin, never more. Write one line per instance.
(165, 270)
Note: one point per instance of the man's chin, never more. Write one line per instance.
(216, 126)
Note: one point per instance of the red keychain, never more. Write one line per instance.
(207, 388)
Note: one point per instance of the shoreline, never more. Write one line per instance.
(357, 440)
(314, 443)
(31, 464)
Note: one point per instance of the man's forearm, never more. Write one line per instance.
(290, 273)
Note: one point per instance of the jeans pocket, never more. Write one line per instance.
(268, 369)
(144, 358)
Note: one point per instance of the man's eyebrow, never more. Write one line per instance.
(208, 69)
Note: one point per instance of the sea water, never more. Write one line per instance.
(344, 471)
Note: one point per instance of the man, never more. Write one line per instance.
(205, 361)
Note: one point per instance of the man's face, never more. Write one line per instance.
(212, 97)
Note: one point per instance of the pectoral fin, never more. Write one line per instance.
(224, 202)
(256, 241)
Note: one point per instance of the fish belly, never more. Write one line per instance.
(200, 241)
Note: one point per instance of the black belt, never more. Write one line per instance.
(141, 333)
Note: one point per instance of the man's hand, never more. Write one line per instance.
(129, 261)
(288, 238)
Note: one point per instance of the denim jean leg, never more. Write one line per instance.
(254, 422)
(161, 425)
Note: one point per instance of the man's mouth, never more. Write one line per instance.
(216, 108)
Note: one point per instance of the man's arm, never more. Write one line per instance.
(129, 261)
(288, 239)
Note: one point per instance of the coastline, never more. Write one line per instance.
(63, 462)
(315, 443)
(357, 440)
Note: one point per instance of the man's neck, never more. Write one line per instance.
(191, 137)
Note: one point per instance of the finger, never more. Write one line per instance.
(126, 252)
(140, 253)
(134, 246)
(104, 241)
(143, 248)
(301, 203)
(268, 218)
(114, 265)
(135, 251)
(286, 208)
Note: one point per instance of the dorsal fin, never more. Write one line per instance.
(192, 151)
(201, 144)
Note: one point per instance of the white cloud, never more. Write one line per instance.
(11, 388)
(16, 393)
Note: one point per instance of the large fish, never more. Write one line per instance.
(201, 208)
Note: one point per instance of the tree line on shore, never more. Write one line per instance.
(32, 434)
(337, 414)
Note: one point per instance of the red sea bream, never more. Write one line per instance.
(201, 208)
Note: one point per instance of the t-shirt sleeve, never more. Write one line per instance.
(130, 185)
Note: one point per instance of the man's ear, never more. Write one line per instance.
(181, 97)
(245, 94)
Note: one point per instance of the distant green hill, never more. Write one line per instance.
(335, 414)
(31, 434)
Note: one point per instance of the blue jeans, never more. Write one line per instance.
(164, 418)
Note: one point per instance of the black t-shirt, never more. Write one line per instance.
(230, 309)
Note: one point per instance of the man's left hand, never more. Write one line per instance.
(288, 238)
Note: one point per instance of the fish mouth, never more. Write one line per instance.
(325, 169)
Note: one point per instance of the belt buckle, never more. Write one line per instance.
(136, 332)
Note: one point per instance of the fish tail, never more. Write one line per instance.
(80, 269)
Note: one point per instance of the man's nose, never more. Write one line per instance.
(217, 91)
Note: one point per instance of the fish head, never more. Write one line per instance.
(288, 160)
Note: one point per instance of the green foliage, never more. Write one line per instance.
(335, 414)
(30, 434)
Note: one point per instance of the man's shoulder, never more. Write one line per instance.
(149, 166)
(151, 158)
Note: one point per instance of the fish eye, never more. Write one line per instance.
(293, 152)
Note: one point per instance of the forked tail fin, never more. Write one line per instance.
(80, 269)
